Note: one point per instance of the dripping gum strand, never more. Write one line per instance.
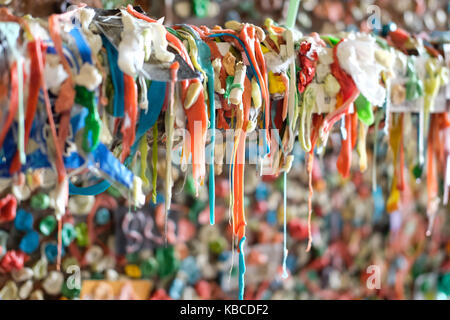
(13, 103)
(345, 156)
(239, 162)
(143, 148)
(169, 123)
(432, 184)
(154, 161)
(395, 141)
(361, 146)
(129, 126)
(317, 123)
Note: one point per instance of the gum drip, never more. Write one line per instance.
(154, 161)
(212, 121)
(309, 166)
(170, 118)
(285, 251)
(241, 268)
(21, 119)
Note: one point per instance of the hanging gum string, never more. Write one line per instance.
(169, 123)
(401, 182)
(58, 258)
(432, 184)
(21, 118)
(212, 126)
(241, 268)
(292, 101)
(242, 119)
(129, 126)
(154, 161)
(285, 81)
(196, 115)
(13, 103)
(285, 250)
(16, 100)
(395, 135)
(361, 146)
(305, 114)
(7, 16)
(344, 159)
(317, 124)
(378, 117)
(446, 143)
(34, 78)
(143, 148)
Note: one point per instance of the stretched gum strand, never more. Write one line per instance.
(20, 117)
(401, 182)
(361, 146)
(317, 122)
(33, 94)
(196, 113)
(154, 161)
(354, 128)
(285, 250)
(378, 117)
(292, 99)
(143, 148)
(285, 81)
(394, 142)
(305, 118)
(242, 123)
(432, 184)
(344, 159)
(129, 126)
(13, 103)
(169, 124)
(241, 268)
(444, 125)
(7, 16)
